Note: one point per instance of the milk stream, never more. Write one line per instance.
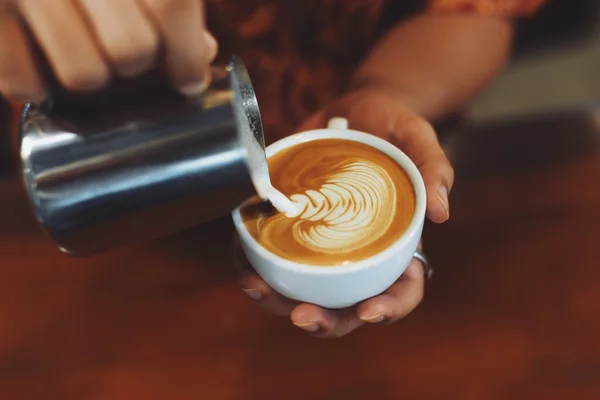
(282, 203)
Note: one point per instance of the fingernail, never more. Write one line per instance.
(194, 89)
(443, 198)
(311, 327)
(373, 319)
(254, 294)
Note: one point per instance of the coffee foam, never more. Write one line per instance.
(351, 202)
(348, 211)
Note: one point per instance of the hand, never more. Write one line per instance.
(384, 115)
(394, 304)
(87, 41)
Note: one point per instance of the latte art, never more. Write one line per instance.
(351, 202)
(352, 209)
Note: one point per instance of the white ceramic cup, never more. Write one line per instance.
(339, 286)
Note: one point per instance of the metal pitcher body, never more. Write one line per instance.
(144, 170)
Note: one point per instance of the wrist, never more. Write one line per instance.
(410, 98)
(443, 121)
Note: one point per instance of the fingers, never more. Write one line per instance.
(189, 48)
(256, 288)
(399, 300)
(308, 317)
(394, 304)
(66, 43)
(264, 296)
(418, 139)
(325, 324)
(382, 115)
(18, 76)
(86, 41)
(125, 34)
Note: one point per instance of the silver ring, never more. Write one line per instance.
(427, 268)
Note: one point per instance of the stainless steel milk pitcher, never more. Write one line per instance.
(142, 164)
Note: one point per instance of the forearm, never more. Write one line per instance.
(438, 64)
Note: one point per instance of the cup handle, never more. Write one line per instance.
(338, 123)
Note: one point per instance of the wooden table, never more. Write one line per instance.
(513, 310)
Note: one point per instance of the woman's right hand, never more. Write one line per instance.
(87, 42)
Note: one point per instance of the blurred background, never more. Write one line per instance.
(512, 312)
(556, 62)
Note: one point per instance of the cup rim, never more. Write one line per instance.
(371, 140)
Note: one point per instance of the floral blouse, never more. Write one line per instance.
(300, 54)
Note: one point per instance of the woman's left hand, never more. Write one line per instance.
(394, 304)
(385, 115)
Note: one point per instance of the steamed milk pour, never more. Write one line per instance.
(139, 161)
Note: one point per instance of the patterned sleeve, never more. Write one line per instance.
(505, 8)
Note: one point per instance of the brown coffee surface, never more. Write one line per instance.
(355, 201)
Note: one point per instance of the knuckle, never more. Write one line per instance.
(438, 167)
(85, 78)
(420, 293)
(136, 55)
(136, 50)
(442, 164)
(412, 303)
(416, 124)
(450, 175)
(12, 91)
